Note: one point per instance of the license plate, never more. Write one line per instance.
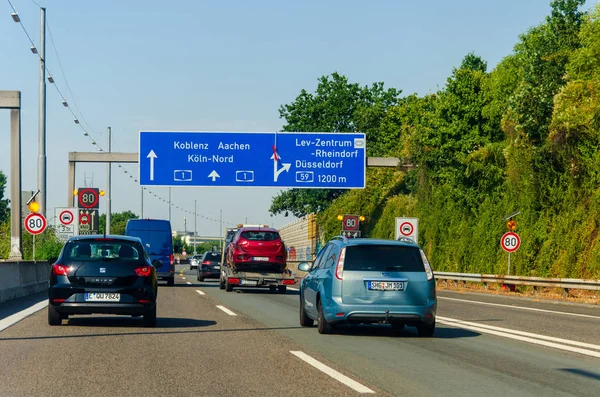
(217, 267)
(261, 258)
(249, 282)
(102, 297)
(386, 285)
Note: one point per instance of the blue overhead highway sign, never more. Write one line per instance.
(253, 159)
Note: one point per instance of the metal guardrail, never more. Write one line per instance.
(565, 283)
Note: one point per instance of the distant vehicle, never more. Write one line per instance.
(103, 274)
(209, 266)
(157, 239)
(357, 281)
(194, 260)
(256, 257)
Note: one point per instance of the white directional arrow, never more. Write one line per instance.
(276, 172)
(214, 175)
(151, 156)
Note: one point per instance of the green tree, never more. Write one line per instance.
(336, 106)
(4, 209)
(118, 221)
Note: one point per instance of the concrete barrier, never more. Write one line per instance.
(19, 279)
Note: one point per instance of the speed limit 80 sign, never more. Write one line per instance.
(510, 242)
(35, 223)
(88, 197)
(350, 222)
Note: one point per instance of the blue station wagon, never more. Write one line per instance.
(354, 281)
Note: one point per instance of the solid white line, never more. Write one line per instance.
(200, 292)
(15, 318)
(226, 310)
(512, 334)
(332, 372)
(519, 307)
(188, 283)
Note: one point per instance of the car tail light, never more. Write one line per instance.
(58, 300)
(171, 259)
(143, 300)
(143, 271)
(339, 268)
(60, 270)
(428, 269)
(233, 280)
(206, 262)
(289, 282)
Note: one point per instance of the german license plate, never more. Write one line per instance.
(102, 297)
(216, 267)
(386, 285)
(261, 258)
(249, 282)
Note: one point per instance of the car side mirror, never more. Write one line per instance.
(157, 264)
(304, 267)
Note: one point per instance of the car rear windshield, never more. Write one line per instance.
(212, 256)
(99, 250)
(260, 235)
(383, 257)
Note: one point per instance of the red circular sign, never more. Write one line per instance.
(406, 229)
(66, 217)
(35, 223)
(510, 242)
(84, 219)
(350, 222)
(88, 198)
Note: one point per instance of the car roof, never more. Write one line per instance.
(107, 237)
(258, 229)
(376, 241)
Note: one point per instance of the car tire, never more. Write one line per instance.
(171, 281)
(273, 288)
(397, 327)
(54, 317)
(200, 278)
(228, 287)
(221, 283)
(426, 330)
(150, 318)
(305, 321)
(322, 325)
(282, 289)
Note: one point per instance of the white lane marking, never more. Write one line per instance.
(519, 307)
(293, 289)
(15, 318)
(200, 292)
(226, 310)
(188, 283)
(512, 334)
(332, 372)
(183, 278)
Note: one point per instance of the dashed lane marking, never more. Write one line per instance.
(200, 292)
(226, 310)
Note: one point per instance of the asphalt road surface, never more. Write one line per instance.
(209, 342)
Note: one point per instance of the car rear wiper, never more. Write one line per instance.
(394, 267)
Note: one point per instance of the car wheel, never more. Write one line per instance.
(171, 281)
(397, 327)
(200, 278)
(322, 325)
(272, 288)
(426, 330)
(150, 317)
(305, 321)
(282, 289)
(54, 317)
(221, 283)
(228, 287)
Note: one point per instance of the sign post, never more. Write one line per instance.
(35, 224)
(253, 159)
(407, 227)
(510, 242)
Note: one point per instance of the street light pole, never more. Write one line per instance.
(108, 187)
(42, 115)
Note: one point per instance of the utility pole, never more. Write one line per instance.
(195, 228)
(221, 224)
(169, 204)
(108, 186)
(42, 115)
(185, 236)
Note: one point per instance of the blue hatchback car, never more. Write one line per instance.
(354, 281)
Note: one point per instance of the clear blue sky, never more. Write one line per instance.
(224, 66)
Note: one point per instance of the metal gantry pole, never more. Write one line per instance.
(169, 204)
(142, 202)
(195, 226)
(42, 115)
(108, 187)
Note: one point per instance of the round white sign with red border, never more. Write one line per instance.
(510, 242)
(84, 219)
(66, 217)
(35, 223)
(406, 229)
(350, 222)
